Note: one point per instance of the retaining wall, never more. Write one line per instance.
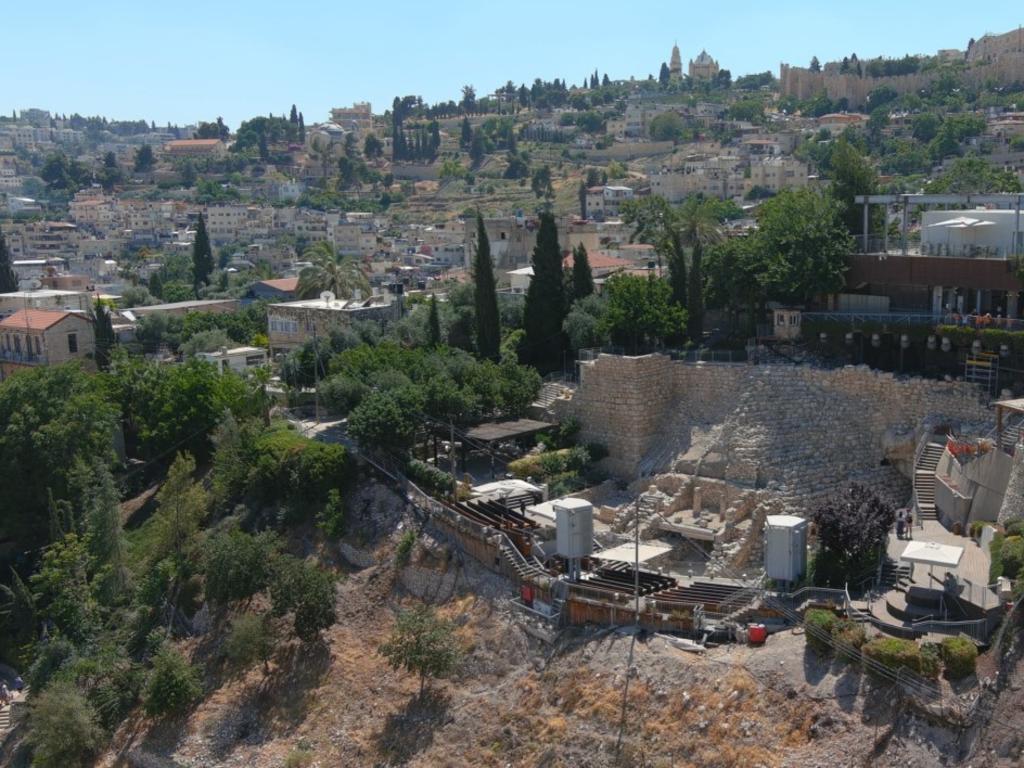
(806, 432)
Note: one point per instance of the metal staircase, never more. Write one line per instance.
(982, 368)
(1013, 431)
(924, 480)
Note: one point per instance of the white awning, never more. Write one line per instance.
(626, 553)
(932, 553)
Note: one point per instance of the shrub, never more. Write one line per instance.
(238, 565)
(173, 685)
(931, 661)
(298, 758)
(894, 652)
(404, 549)
(848, 634)
(331, 519)
(306, 591)
(63, 728)
(429, 477)
(250, 640)
(1012, 556)
(1014, 527)
(52, 656)
(995, 550)
(974, 531)
(290, 466)
(541, 465)
(959, 655)
(818, 624)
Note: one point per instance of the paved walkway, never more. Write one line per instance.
(973, 567)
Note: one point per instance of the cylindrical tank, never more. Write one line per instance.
(574, 528)
(785, 547)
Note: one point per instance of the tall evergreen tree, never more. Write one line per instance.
(488, 322)
(156, 284)
(545, 306)
(700, 228)
(8, 278)
(302, 128)
(465, 134)
(104, 332)
(202, 257)
(665, 75)
(293, 118)
(433, 324)
(582, 278)
(102, 516)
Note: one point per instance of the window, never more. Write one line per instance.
(73, 343)
(17, 344)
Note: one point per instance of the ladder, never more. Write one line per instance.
(982, 368)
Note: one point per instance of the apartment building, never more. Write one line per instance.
(606, 202)
(775, 174)
(292, 324)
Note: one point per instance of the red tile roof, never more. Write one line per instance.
(282, 283)
(34, 319)
(599, 260)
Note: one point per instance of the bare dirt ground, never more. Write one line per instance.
(517, 701)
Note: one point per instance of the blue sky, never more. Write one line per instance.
(185, 61)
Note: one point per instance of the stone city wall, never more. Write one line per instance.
(802, 431)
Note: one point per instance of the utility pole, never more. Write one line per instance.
(636, 565)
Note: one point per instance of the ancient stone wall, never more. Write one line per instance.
(1013, 501)
(621, 402)
(1004, 68)
(803, 432)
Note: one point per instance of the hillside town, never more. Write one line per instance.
(674, 419)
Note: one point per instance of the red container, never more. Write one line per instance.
(526, 592)
(757, 633)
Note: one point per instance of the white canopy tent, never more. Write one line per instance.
(932, 553)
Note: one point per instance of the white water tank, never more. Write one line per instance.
(785, 547)
(574, 528)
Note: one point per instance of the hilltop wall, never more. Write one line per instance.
(1005, 69)
(805, 432)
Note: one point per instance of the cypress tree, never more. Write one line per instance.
(488, 322)
(433, 324)
(8, 278)
(293, 118)
(156, 285)
(202, 257)
(302, 128)
(466, 134)
(545, 305)
(582, 278)
(104, 332)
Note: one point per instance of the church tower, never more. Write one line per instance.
(675, 67)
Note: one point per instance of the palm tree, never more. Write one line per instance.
(330, 271)
(699, 227)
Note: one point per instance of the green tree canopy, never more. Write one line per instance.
(974, 175)
(640, 312)
(423, 644)
(802, 233)
(330, 271)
